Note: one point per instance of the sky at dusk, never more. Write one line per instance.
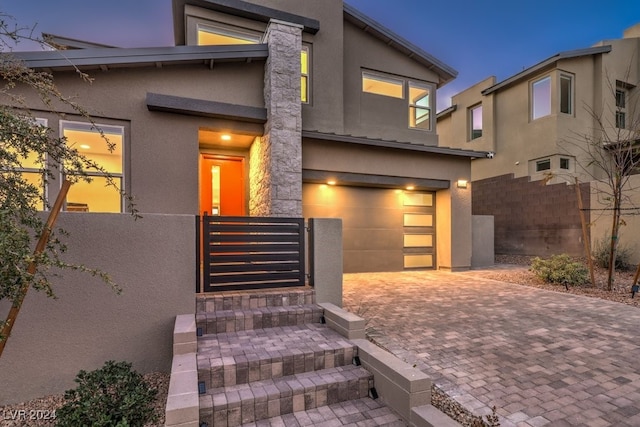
(478, 38)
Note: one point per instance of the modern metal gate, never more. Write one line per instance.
(240, 253)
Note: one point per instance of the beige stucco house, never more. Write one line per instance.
(262, 108)
(535, 124)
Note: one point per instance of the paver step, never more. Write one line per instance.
(255, 299)
(359, 412)
(259, 400)
(257, 318)
(232, 358)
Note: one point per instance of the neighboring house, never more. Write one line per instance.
(263, 108)
(534, 124)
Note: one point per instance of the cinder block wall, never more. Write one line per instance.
(152, 259)
(532, 218)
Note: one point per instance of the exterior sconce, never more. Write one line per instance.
(462, 183)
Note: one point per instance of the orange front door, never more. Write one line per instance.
(222, 185)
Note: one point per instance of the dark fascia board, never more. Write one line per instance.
(241, 9)
(370, 180)
(136, 56)
(446, 112)
(394, 144)
(204, 108)
(362, 21)
(69, 43)
(545, 64)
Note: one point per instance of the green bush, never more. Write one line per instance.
(560, 269)
(601, 255)
(113, 395)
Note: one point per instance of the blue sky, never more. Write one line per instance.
(479, 38)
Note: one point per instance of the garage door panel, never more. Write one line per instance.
(372, 261)
(375, 224)
(374, 239)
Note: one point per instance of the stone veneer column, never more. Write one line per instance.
(276, 158)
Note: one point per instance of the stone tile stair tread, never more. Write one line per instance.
(271, 342)
(281, 387)
(251, 311)
(352, 413)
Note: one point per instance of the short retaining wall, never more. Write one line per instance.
(403, 388)
(152, 259)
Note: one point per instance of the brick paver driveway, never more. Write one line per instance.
(542, 358)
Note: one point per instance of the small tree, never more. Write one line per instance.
(609, 153)
(22, 139)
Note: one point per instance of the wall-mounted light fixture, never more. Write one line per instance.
(410, 187)
(331, 182)
(462, 183)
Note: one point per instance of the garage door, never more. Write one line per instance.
(383, 229)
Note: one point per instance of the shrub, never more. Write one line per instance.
(113, 395)
(601, 255)
(560, 269)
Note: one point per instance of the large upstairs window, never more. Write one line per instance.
(541, 98)
(418, 94)
(225, 35)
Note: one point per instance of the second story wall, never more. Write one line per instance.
(377, 115)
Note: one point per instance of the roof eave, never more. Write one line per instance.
(393, 144)
(444, 71)
(123, 57)
(545, 64)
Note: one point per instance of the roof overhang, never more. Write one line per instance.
(104, 58)
(375, 181)
(394, 144)
(238, 8)
(365, 23)
(204, 108)
(547, 63)
(446, 112)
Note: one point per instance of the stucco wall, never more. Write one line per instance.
(153, 261)
(601, 218)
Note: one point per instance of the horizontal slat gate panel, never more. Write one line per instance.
(252, 252)
(241, 268)
(228, 248)
(269, 238)
(253, 278)
(257, 228)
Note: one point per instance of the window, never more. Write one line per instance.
(225, 35)
(564, 163)
(419, 106)
(304, 74)
(385, 86)
(97, 195)
(541, 98)
(475, 122)
(31, 168)
(566, 94)
(621, 108)
(543, 165)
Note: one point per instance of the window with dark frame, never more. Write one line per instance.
(543, 165)
(566, 94)
(564, 163)
(475, 122)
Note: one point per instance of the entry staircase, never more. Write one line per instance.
(268, 358)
